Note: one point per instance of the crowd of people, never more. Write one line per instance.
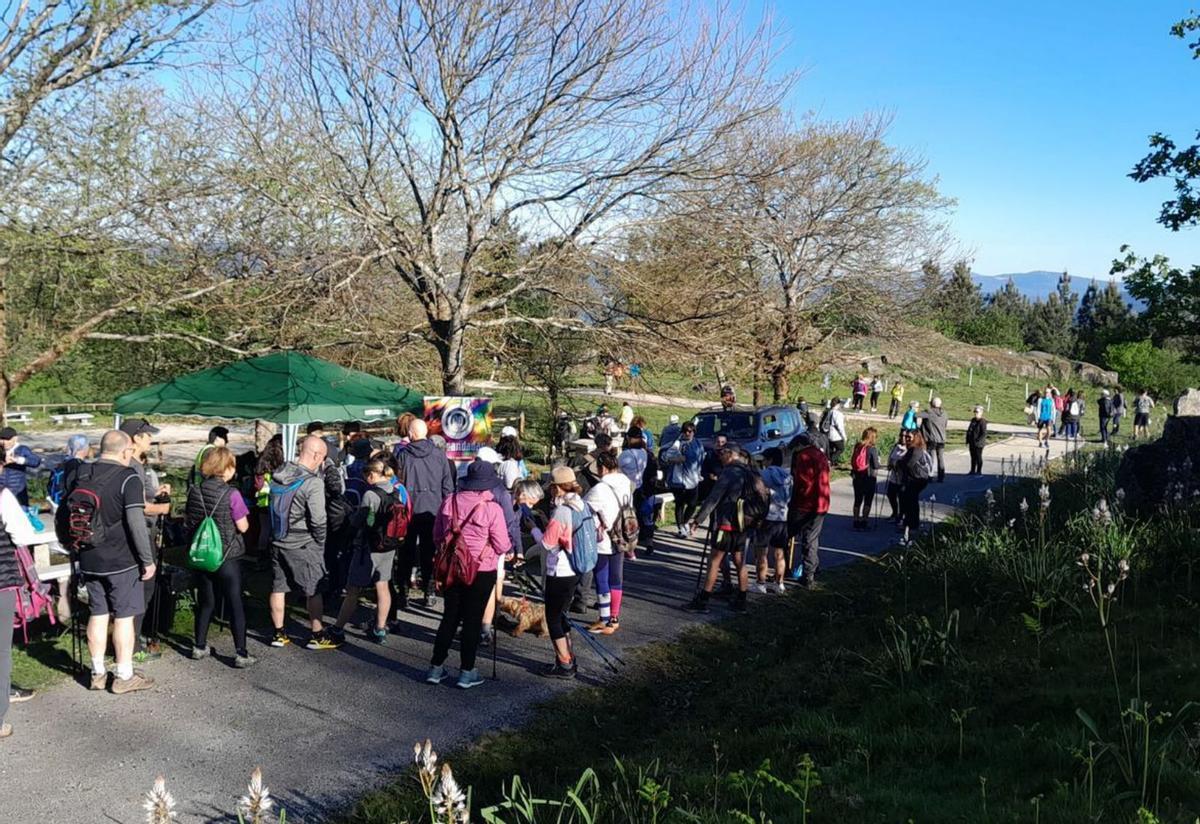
(398, 523)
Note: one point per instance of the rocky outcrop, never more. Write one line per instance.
(1157, 474)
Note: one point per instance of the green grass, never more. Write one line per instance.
(810, 675)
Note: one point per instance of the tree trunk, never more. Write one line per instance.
(779, 383)
(4, 377)
(449, 342)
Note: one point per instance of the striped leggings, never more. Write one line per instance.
(609, 588)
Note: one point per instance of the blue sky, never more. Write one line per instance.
(1031, 114)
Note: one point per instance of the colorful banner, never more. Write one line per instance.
(465, 423)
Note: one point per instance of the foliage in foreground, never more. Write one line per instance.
(1034, 661)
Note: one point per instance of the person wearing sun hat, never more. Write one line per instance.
(558, 541)
(473, 514)
(18, 460)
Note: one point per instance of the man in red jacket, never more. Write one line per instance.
(810, 502)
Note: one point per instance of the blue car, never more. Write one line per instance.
(755, 429)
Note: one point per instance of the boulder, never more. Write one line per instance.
(1188, 404)
(1151, 475)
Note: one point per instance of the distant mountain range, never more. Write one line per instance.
(1034, 285)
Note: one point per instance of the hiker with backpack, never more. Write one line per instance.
(378, 527)
(612, 502)
(427, 475)
(216, 517)
(18, 460)
(298, 529)
(571, 544)
(895, 478)
(472, 537)
(977, 440)
(771, 538)
(1104, 414)
(739, 503)
(1071, 412)
(683, 459)
(933, 430)
(911, 422)
(103, 521)
(217, 436)
(62, 478)
(864, 464)
(809, 505)
(16, 576)
(917, 467)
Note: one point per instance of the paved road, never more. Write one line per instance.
(327, 726)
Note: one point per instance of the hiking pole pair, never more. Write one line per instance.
(607, 656)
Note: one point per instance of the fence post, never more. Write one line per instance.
(971, 377)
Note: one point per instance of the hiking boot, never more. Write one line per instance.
(199, 653)
(468, 679)
(280, 639)
(135, 683)
(241, 661)
(611, 627)
(99, 682)
(19, 696)
(322, 640)
(5, 730)
(436, 675)
(561, 671)
(698, 605)
(379, 636)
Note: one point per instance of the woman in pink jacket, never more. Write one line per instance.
(474, 516)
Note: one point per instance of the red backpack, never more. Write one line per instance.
(391, 522)
(454, 563)
(859, 459)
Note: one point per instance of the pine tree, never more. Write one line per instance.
(1103, 318)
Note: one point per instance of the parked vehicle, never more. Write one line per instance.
(755, 429)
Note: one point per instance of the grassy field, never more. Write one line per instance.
(969, 680)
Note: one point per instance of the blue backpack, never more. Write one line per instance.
(280, 507)
(57, 484)
(584, 551)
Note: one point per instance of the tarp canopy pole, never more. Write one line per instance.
(290, 431)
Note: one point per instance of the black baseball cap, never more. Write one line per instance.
(218, 432)
(138, 426)
(7, 432)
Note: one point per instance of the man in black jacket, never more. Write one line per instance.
(1104, 408)
(427, 476)
(977, 440)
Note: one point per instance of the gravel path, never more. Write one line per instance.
(328, 726)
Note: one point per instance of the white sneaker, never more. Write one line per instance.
(779, 590)
(681, 531)
(761, 589)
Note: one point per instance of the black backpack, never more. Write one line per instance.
(78, 520)
(755, 501)
(826, 423)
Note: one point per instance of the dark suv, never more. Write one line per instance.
(755, 429)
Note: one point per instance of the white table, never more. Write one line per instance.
(84, 418)
(45, 544)
(18, 417)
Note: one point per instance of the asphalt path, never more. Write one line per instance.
(329, 726)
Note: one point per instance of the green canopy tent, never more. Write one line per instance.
(287, 388)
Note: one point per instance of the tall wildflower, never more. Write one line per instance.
(257, 802)
(159, 804)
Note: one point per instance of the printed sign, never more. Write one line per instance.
(465, 423)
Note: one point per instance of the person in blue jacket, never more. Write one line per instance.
(18, 460)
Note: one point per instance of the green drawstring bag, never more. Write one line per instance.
(207, 551)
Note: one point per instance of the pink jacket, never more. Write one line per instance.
(481, 521)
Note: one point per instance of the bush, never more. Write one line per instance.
(1142, 365)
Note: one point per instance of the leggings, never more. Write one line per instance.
(874, 399)
(894, 408)
(910, 502)
(893, 496)
(976, 459)
(864, 492)
(559, 589)
(228, 580)
(417, 552)
(463, 605)
(685, 504)
(609, 588)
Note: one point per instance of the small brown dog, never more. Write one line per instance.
(525, 615)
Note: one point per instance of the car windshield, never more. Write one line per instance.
(733, 425)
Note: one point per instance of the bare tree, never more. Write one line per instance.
(52, 56)
(411, 133)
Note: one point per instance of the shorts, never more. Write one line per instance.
(297, 570)
(1044, 423)
(1141, 418)
(121, 595)
(369, 568)
(728, 541)
(772, 534)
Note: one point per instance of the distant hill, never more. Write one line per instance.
(1039, 284)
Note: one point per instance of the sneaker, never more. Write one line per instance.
(760, 589)
(597, 627)
(142, 656)
(337, 634)
(280, 639)
(135, 683)
(379, 636)
(322, 640)
(611, 627)
(681, 532)
(468, 679)
(99, 682)
(698, 605)
(436, 675)
(19, 696)
(243, 661)
(198, 653)
(780, 589)
(558, 670)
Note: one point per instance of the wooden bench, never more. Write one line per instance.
(84, 418)
(18, 417)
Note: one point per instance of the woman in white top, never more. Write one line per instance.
(633, 457)
(606, 499)
(18, 531)
(512, 464)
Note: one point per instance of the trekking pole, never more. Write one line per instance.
(74, 604)
(531, 586)
(152, 635)
(704, 555)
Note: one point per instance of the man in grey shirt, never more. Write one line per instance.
(933, 427)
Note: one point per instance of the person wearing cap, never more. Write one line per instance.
(1104, 411)
(18, 460)
(158, 503)
(474, 521)
(977, 440)
(670, 433)
(561, 579)
(732, 533)
(217, 436)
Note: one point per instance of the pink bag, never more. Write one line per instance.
(33, 597)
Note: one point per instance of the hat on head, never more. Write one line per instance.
(978, 408)
(1104, 392)
(481, 476)
(138, 426)
(7, 432)
(488, 455)
(508, 432)
(562, 475)
(218, 432)
(674, 419)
